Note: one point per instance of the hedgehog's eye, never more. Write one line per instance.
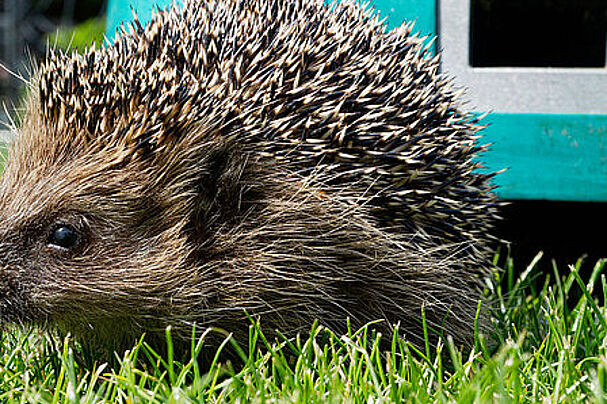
(64, 236)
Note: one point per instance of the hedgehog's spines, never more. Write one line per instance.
(304, 82)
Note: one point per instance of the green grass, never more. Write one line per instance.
(550, 346)
(3, 155)
(80, 36)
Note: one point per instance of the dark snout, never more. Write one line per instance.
(15, 306)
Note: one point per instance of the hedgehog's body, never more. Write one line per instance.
(286, 158)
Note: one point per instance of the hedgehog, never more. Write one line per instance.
(286, 160)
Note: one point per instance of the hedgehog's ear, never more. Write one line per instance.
(212, 179)
(219, 189)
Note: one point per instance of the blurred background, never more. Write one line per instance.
(27, 27)
(539, 65)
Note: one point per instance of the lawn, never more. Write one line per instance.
(550, 345)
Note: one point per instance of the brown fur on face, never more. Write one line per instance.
(282, 159)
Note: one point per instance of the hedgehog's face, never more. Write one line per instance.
(82, 240)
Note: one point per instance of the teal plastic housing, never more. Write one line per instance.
(547, 156)
(120, 11)
(397, 11)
